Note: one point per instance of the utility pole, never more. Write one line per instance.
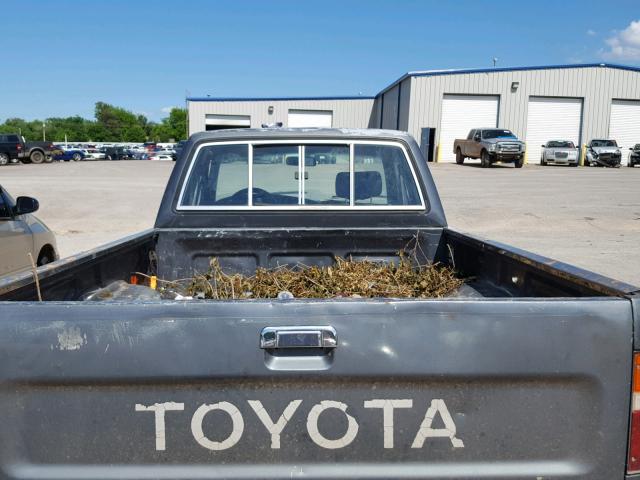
(495, 61)
(44, 134)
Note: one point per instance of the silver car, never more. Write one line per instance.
(22, 233)
(559, 152)
(603, 153)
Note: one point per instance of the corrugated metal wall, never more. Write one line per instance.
(419, 99)
(353, 113)
(377, 113)
(390, 118)
(390, 108)
(596, 85)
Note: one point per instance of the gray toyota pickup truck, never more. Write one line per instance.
(524, 372)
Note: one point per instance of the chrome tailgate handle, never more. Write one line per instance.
(298, 337)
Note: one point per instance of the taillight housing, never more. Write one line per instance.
(633, 462)
(19, 147)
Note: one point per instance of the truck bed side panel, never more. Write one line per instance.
(71, 277)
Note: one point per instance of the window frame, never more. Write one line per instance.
(301, 142)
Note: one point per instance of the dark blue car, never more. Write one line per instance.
(74, 154)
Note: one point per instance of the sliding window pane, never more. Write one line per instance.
(326, 175)
(275, 175)
(383, 177)
(219, 177)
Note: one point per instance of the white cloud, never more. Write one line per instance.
(167, 109)
(624, 45)
(592, 33)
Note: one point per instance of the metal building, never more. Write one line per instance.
(208, 113)
(569, 102)
(573, 102)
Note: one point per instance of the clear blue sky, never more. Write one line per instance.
(60, 57)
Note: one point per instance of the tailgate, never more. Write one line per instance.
(414, 389)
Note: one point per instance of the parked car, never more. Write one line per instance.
(160, 156)
(138, 149)
(603, 153)
(528, 370)
(559, 152)
(11, 147)
(94, 154)
(116, 153)
(165, 150)
(177, 151)
(66, 154)
(490, 145)
(22, 233)
(634, 156)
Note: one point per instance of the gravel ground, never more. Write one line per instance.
(87, 204)
(589, 217)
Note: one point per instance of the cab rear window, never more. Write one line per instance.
(218, 177)
(303, 175)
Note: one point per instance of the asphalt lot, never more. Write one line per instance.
(589, 217)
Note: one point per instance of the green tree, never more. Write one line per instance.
(134, 133)
(111, 124)
(74, 128)
(178, 122)
(121, 125)
(171, 128)
(97, 133)
(29, 130)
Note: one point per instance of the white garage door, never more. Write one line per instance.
(624, 126)
(461, 113)
(310, 118)
(551, 119)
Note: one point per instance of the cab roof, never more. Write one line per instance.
(337, 133)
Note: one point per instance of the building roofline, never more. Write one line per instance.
(275, 99)
(416, 73)
(462, 71)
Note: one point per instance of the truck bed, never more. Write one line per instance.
(490, 269)
(486, 387)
